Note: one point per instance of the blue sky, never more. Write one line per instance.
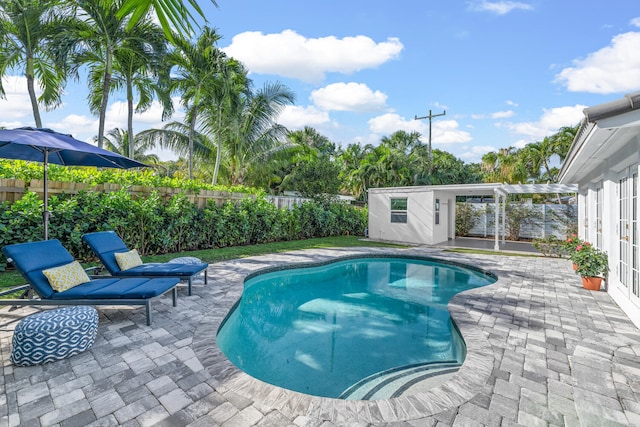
(506, 72)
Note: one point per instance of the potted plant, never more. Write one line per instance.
(592, 265)
(569, 246)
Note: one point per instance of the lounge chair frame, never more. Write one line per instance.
(82, 301)
(58, 255)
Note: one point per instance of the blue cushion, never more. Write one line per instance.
(105, 244)
(54, 335)
(185, 260)
(33, 257)
(118, 288)
(167, 269)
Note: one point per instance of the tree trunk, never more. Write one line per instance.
(103, 107)
(192, 131)
(32, 92)
(219, 151)
(130, 119)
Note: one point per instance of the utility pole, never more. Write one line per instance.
(430, 117)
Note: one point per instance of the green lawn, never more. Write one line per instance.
(12, 278)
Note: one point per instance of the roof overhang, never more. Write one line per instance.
(605, 129)
(483, 189)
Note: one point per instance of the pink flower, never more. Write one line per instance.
(579, 247)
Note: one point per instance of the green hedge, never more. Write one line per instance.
(27, 171)
(154, 226)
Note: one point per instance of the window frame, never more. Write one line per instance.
(399, 215)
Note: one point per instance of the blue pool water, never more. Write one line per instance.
(320, 330)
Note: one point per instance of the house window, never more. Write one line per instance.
(399, 210)
(437, 211)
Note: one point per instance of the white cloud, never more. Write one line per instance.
(499, 7)
(85, 127)
(502, 114)
(290, 54)
(81, 127)
(348, 97)
(511, 103)
(448, 132)
(550, 122)
(387, 124)
(15, 109)
(152, 118)
(297, 117)
(612, 69)
(635, 22)
(444, 131)
(497, 115)
(475, 153)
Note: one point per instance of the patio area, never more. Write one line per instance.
(541, 351)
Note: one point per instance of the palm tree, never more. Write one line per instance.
(504, 166)
(230, 86)
(117, 140)
(563, 139)
(175, 136)
(351, 160)
(171, 14)
(253, 131)
(96, 38)
(198, 66)
(142, 67)
(26, 30)
(538, 155)
(311, 139)
(402, 140)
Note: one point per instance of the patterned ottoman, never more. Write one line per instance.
(54, 335)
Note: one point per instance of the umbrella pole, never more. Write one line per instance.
(45, 212)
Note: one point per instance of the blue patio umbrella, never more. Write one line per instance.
(48, 146)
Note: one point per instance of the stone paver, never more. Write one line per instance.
(540, 351)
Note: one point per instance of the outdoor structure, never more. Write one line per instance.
(427, 214)
(604, 161)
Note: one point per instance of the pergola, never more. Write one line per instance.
(500, 193)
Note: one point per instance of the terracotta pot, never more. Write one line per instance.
(592, 283)
(575, 266)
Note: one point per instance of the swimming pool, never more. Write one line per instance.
(363, 328)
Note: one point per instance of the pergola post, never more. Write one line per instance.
(504, 218)
(496, 222)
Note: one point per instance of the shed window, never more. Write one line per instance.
(437, 211)
(399, 210)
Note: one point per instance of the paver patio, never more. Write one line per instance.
(541, 351)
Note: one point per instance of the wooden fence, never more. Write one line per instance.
(12, 190)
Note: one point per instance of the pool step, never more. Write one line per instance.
(404, 380)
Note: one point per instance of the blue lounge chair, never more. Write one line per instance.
(105, 244)
(31, 259)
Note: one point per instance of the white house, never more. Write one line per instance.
(604, 161)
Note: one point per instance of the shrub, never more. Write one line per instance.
(590, 261)
(549, 246)
(154, 226)
(520, 215)
(466, 218)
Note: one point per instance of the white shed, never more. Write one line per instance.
(427, 214)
